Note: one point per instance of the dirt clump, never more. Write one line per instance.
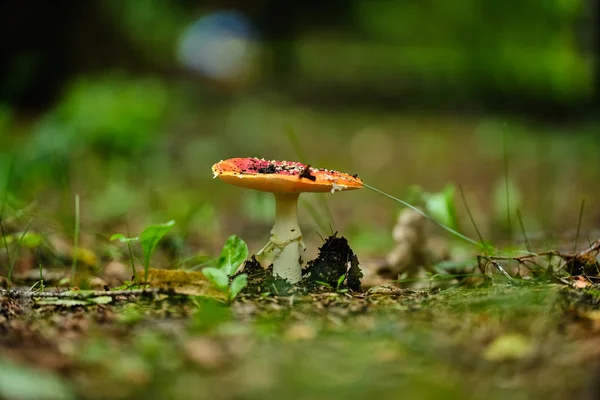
(336, 259)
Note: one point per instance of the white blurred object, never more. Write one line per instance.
(221, 46)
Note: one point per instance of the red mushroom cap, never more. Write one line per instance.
(282, 176)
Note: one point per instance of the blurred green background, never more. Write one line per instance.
(128, 104)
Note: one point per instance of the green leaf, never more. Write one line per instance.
(29, 240)
(340, 280)
(217, 277)
(150, 238)
(238, 283)
(122, 238)
(441, 206)
(234, 253)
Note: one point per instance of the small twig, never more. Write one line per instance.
(520, 218)
(81, 294)
(498, 266)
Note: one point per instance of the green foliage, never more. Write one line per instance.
(148, 239)
(237, 285)
(456, 54)
(217, 277)
(22, 383)
(209, 315)
(233, 254)
(338, 287)
(113, 114)
(28, 240)
(441, 206)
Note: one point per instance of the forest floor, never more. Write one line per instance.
(497, 339)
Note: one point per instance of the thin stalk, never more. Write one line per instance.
(464, 199)
(293, 138)
(314, 214)
(6, 186)
(446, 228)
(14, 259)
(523, 230)
(132, 262)
(579, 225)
(75, 242)
(4, 200)
(42, 287)
(505, 157)
(5, 242)
(41, 281)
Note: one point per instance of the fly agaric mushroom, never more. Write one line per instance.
(286, 180)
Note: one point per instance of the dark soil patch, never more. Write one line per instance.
(336, 259)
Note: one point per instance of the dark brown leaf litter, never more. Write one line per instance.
(585, 262)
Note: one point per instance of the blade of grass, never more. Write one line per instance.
(293, 138)
(4, 200)
(135, 280)
(16, 255)
(505, 157)
(42, 287)
(446, 228)
(6, 186)
(579, 225)
(75, 242)
(35, 257)
(464, 199)
(314, 214)
(523, 230)
(5, 242)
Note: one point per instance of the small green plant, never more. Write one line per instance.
(149, 238)
(234, 253)
(338, 287)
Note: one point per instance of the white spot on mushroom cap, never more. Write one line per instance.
(335, 187)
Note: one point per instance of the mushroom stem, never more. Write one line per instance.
(285, 246)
